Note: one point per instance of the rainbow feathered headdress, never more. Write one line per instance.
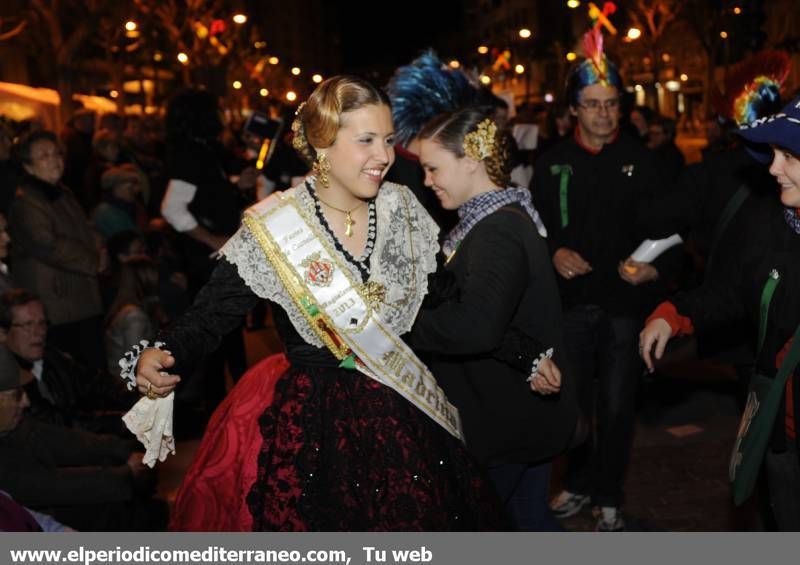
(596, 68)
(752, 89)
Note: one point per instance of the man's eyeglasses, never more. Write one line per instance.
(30, 326)
(594, 105)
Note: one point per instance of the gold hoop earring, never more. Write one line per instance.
(321, 169)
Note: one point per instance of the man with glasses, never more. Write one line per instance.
(86, 481)
(592, 191)
(61, 392)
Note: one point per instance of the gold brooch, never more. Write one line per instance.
(374, 292)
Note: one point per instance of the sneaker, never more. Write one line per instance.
(568, 504)
(610, 520)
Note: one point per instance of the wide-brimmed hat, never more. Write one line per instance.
(9, 370)
(781, 129)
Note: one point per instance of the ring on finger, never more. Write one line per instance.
(150, 393)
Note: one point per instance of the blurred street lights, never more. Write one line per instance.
(525, 33)
(239, 19)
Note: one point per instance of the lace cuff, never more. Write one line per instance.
(150, 419)
(538, 361)
(127, 364)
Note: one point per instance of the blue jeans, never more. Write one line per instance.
(603, 352)
(523, 489)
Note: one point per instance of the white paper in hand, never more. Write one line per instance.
(650, 249)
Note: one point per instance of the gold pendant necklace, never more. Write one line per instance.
(349, 222)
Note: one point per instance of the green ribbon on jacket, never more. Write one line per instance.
(766, 298)
(563, 186)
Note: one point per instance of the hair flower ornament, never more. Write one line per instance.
(479, 144)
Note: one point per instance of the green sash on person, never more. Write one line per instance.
(763, 400)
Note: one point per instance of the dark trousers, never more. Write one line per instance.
(783, 478)
(523, 489)
(603, 352)
(82, 339)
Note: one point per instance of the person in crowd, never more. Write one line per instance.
(204, 207)
(54, 254)
(761, 287)
(351, 435)
(712, 196)
(661, 140)
(136, 312)
(9, 168)
(62, 392)
(77, 138)
(593, 191)
(5, 239)
(639, 120)
(106, 154)
(514, 424)
(86, 481)
(120, 209)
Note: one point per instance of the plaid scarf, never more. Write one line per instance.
(792, 216)
(477, 208)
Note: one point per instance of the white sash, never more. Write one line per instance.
(341, 310)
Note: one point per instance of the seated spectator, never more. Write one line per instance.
(55, 255)
(661, 140)
(135, 313)
(86, 481)
(62, 392)
(120, 209)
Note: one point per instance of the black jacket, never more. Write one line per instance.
(506, 285)
(764, 242)
(610, 199)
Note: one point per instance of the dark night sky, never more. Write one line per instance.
(385, 35)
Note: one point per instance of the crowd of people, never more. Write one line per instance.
(459, 296)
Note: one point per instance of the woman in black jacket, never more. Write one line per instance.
(761, 287)
(515, 418)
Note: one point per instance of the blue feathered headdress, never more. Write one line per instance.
(424, 89)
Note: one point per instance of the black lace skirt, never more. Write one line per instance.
(342, 452)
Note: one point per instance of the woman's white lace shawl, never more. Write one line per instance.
(403, 256)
